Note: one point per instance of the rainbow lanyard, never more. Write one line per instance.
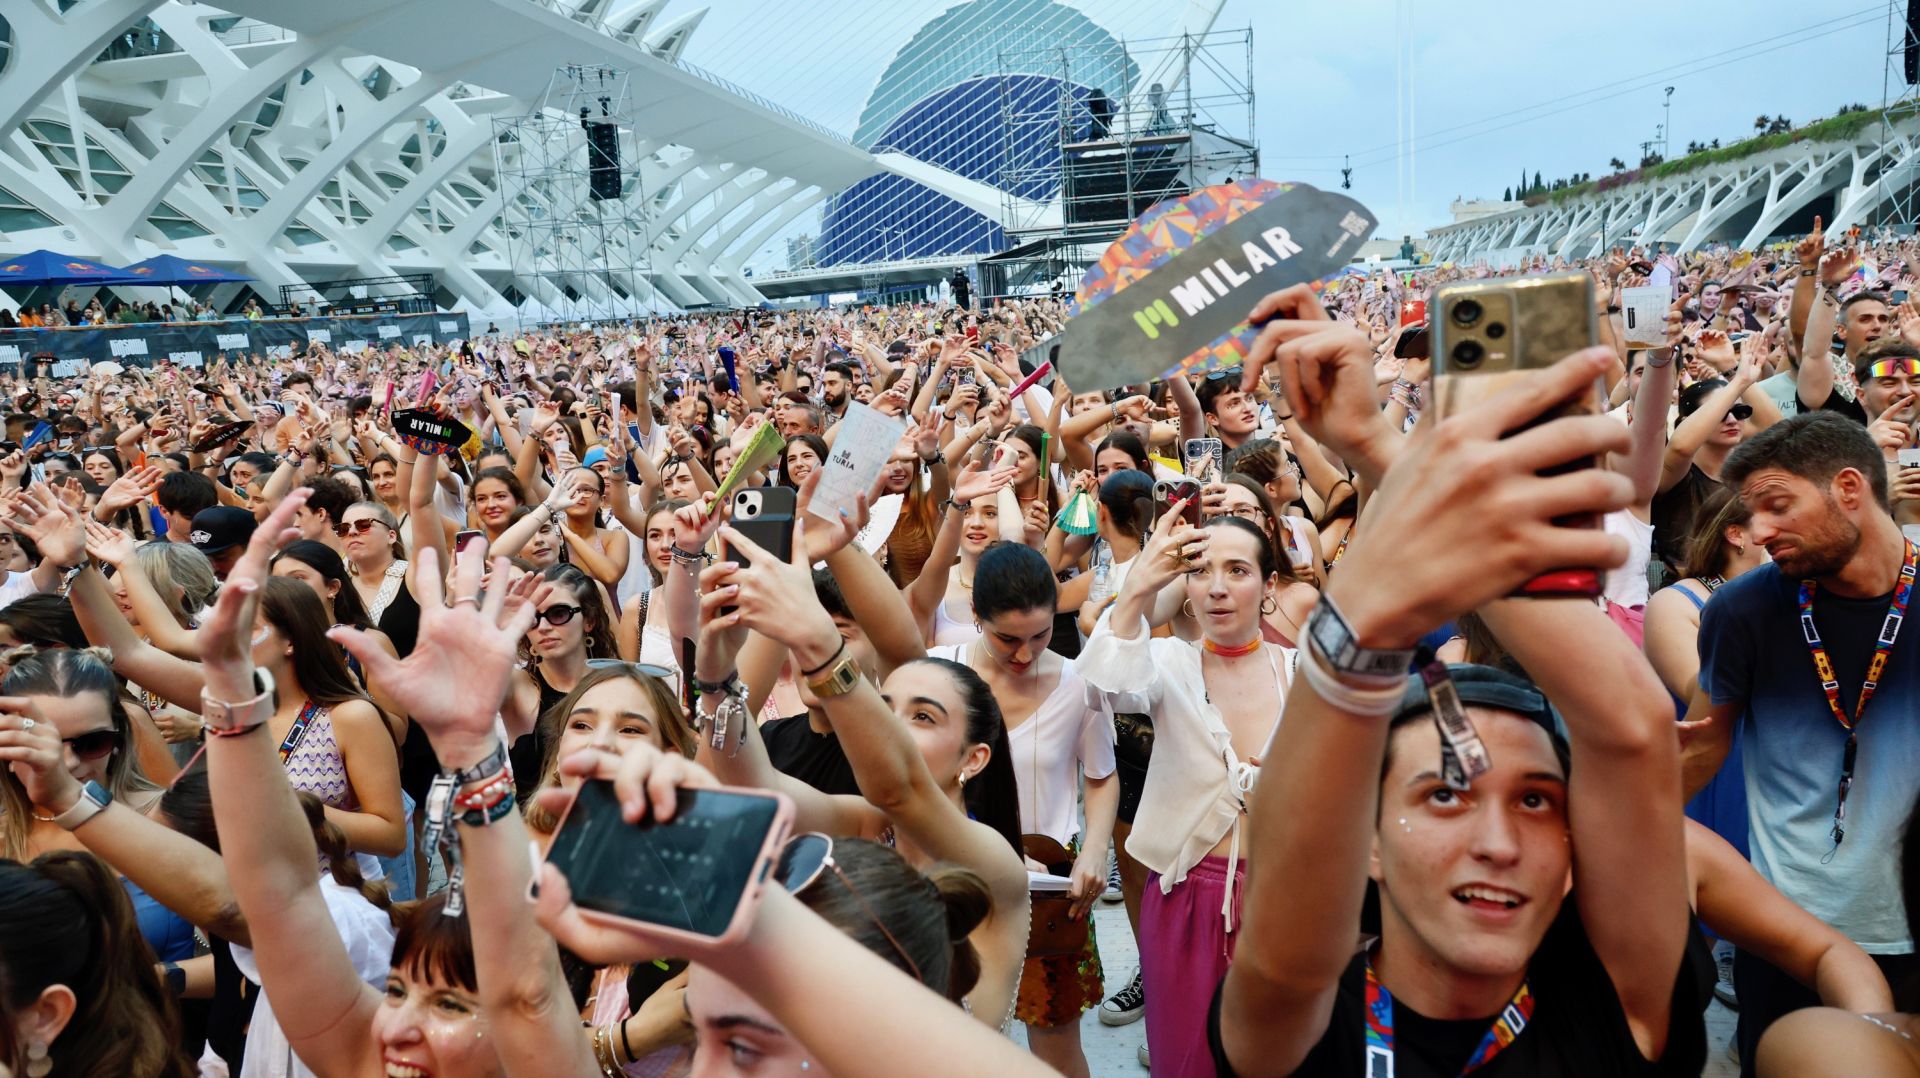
(1829, 684)
(1505, 1030)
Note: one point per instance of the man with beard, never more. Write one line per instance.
(1889, 378)
(836, 388)
(1810, 657)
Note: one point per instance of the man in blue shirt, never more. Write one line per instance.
(1829, 783)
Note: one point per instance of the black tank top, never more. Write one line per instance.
(530, 749)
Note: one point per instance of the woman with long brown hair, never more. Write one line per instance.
(570, 627)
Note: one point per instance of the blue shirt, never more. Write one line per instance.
(1752, 655)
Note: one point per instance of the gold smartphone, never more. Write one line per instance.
(1488, 334)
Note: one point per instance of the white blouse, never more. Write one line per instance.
(1073, 725)
(1196, 786)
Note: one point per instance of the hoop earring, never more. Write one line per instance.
(1268, 605)
(1186, 607)
(589, 643)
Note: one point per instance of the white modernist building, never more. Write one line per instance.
(303, 141)
(1856, 181)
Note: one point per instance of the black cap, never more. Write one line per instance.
(221, 527)
(1482, 686)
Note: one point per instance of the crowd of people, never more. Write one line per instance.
(290, 692)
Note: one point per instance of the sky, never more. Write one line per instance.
(1485, 91)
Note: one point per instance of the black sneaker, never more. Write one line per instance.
(1113, 893)
(1125, 1006)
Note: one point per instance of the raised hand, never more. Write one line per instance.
(453, 681)
(1888, 430)
(226, 637)
(1811, 247)
(977, 481)
(1716, 350)
(110, 545)
(826, 537)
(31, 749)
(772, 597)
(1477, 489)
(1837, 265)
(1326, 373)
(59, 532)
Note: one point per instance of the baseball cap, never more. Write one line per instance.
(1482, 686)
(594, 456)
(221, 527)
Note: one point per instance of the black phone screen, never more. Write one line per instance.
(686, 874)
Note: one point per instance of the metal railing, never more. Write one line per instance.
(253, 32)
(847, 269)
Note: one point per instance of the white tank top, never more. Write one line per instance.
(1627, 585)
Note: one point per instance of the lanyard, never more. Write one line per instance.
(1506, 1028)
(1829, 684)
(298, 731)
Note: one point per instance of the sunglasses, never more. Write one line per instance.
(1741, 411)
(558, 615)
(93, 744)
(660, 673)
(1232, 372)
(1890, 368)
(357, 527)
(805, 858)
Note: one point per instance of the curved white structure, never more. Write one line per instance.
(1742, 202)
(299, 141)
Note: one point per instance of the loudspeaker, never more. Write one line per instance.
(603, 161)
(1912, 58)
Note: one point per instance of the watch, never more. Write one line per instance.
(955, 503)
(839, 679)
(94, 798)
(222, 719)
(1329, 632)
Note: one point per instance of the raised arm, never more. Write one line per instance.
(265, 839)
(1309, 835)
(1813, 379)
(450, 685)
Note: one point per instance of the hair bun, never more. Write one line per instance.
(968, 902)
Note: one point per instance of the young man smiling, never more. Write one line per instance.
(1534, 919)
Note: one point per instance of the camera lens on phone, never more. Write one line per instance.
(1468, 354)
(1467, 312)
(1496, 330)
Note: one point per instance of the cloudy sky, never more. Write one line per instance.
(1491, 90)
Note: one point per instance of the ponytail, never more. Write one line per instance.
(342, 865)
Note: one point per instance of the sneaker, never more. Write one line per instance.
(1125, 1006)
(1723, 988)
(1141, 1055)
(1113, 893)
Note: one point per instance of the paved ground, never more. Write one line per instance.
(1111, 1051)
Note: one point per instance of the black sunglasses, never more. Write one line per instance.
(357, 527)
(1232, 372)
(93, 744)
(558, 615)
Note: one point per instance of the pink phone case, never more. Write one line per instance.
(749, 896)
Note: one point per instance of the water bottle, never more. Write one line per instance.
(1102, 588)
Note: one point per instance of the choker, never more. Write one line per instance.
(1247, 648)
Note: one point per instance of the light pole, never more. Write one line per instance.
(1666, 150)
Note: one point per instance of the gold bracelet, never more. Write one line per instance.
(603, 1052)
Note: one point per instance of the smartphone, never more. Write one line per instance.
(1205, 460)
(41, 431)
(463, 538)
(696, 876)
(1166, 492)
(1908, 458)
(765, 515)
(1487, 334)
(1414, 343)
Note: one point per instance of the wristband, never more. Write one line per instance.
(831, 659)
(1373, 703)
(955, 503)
(492, 764)
(94, 799)
(1328, 630)
(688, 557)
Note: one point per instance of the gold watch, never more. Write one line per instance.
(838, 679)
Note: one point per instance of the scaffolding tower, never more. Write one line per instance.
(575, 214)
(1899, 100)
(1094, 151)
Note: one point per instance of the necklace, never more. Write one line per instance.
(965, 584)
(1235, 651)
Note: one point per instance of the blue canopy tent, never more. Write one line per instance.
(171, 270)
(51, 268)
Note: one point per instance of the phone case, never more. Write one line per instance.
(742, 918)
(1168, 491)
(764, 515)
(1486, 335)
